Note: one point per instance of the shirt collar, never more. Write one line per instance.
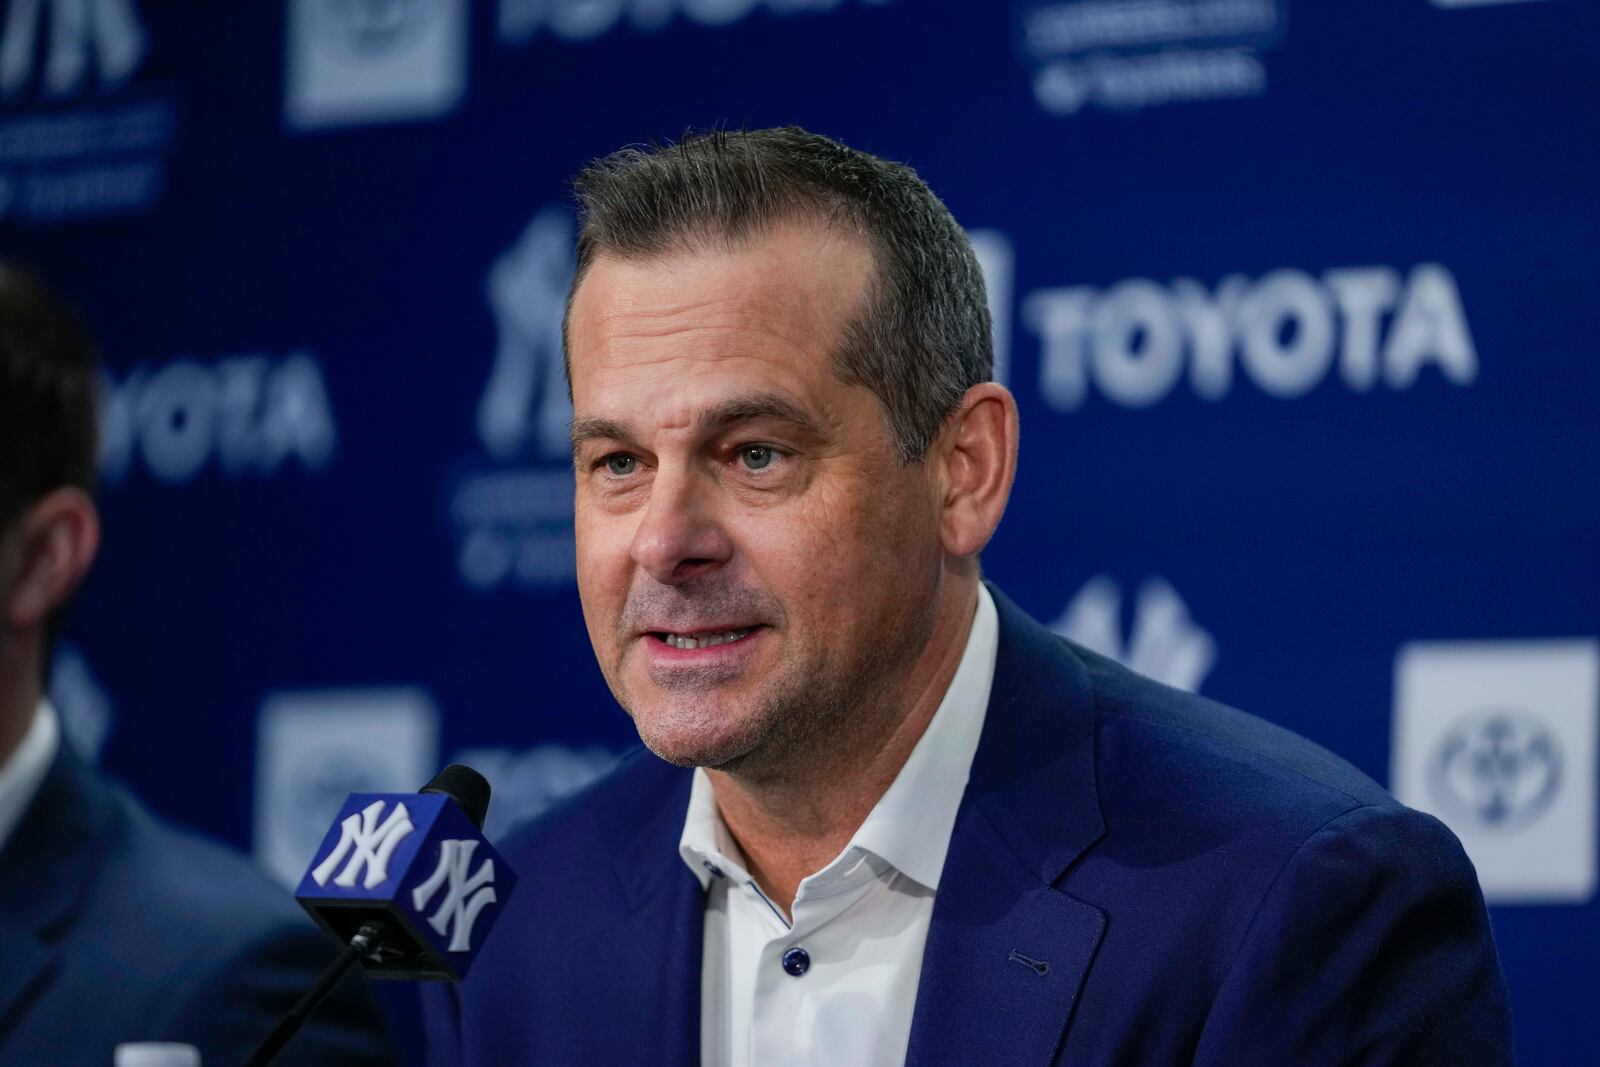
(910, 825)
(705, 844)
(25, 769)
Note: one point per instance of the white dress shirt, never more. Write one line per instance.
(23, 772)
(838, 986)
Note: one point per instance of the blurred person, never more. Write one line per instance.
(114, 925)
(885, 816)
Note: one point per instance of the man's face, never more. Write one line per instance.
(756, 566)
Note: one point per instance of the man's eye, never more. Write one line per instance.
(621, 464)
(756, 457)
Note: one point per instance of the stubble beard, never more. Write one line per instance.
(697, 722)
(817, 712)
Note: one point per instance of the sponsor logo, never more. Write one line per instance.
(1124, 55)
(584, 20)
(465, 896)
(81, 701)
(997, 259)
(511, 511)
(98, 39)
(1286, 332)
(1163, 642)
(99, 147)
(1497, 738)
(368, 843)
(528, 782)
(250, 414)
(358, 62)
(1501, 769)
(524, 401)
(315, 748)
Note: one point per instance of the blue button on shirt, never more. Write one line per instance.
(797, 961)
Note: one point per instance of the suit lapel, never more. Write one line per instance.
(657, 990)
(1007, 952)
(44, 869)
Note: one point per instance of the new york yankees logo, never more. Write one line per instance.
(464, 899)
(369, 844)
(101, 35)
(525, 400)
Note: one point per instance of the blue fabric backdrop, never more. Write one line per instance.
(1298, 300)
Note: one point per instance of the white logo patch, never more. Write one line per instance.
(1165, 643)
(252, 414)
(369, 844)
(106, 31)
(93, 150)
(355, 62)
(316, 747)
(997, 259)
(513, 518)
(1497, 739)
(465, 896)
(527, 291)
(1287, 331)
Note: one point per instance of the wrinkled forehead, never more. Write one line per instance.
(685, 319)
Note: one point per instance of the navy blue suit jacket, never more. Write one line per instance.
(1186, 883)
(117, 927)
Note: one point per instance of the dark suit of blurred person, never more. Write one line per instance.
(114, 926)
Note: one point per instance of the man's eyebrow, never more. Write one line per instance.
(714, 419)
(590, 428)
(757, 406)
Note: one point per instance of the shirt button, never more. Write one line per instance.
(797, 961)
(714, 869)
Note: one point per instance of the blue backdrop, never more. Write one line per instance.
(1298, 301)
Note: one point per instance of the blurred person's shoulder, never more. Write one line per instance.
(202, 946)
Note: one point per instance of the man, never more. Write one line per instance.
(918, 826)
(114, 927)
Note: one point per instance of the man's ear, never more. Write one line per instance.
(49, 551)
(978, 453)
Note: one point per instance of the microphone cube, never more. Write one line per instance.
(417, 861)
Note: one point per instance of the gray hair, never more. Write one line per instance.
(922, 337)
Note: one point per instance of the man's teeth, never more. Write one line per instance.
(704, 640)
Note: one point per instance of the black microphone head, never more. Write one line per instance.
(466, 787)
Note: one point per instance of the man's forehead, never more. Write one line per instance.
(673, 339)
(794, 269)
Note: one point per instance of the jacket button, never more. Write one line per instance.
(797, 961)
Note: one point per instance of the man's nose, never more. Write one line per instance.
(679, 538)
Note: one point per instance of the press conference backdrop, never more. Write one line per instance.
(1298, 301)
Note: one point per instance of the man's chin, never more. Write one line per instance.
(695, 742)
(695, 754)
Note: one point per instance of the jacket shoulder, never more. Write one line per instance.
(1219, 743)
(606, 816)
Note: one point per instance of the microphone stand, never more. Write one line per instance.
(364, 943)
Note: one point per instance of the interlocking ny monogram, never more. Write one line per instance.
(465, 898)
(369, 843)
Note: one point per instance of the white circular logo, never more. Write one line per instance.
(1501, 769)
(368, 27)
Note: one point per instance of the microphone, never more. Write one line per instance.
(407, 883)
(417, 863)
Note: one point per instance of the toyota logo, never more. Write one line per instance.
(1501, 769)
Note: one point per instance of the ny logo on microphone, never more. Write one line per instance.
(373, 844)
(418, 862)
(464, 899)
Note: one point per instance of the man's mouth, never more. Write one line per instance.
(701, 640)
